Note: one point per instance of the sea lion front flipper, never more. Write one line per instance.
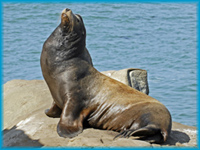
(54, 111)
(69, 128)
(71, 120)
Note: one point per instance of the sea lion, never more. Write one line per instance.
(83, 94)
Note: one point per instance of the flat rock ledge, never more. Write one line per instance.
(26, 125)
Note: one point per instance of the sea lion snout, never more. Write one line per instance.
(67, 12)
(67, 18)
(67, 9)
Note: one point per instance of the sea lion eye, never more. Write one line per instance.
(77, 20)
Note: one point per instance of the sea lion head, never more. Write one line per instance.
(72, 23)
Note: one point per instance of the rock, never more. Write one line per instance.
(20, 96)
(135, 78)
(96, 137)
(182, 135)
(138, 79)
(25, 123)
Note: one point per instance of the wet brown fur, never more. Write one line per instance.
(81, 92)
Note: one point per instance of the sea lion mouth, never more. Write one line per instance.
(67, 18)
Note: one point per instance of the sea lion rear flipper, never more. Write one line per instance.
(149, 133)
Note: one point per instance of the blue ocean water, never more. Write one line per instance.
(158, 37)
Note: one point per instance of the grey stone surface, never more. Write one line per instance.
(138, 79)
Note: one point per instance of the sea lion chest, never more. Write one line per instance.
(64, 78)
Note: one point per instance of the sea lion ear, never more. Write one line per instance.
(80, 17)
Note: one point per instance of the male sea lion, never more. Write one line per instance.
(81, 93)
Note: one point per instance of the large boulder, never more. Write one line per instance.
(133, 77)
(25, 123)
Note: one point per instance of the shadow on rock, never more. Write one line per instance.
(17, 138)
(177, 137)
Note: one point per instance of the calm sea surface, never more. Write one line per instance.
(161, 38)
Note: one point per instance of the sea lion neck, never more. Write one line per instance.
(65, 45)
(65, 29)
(66, 34)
